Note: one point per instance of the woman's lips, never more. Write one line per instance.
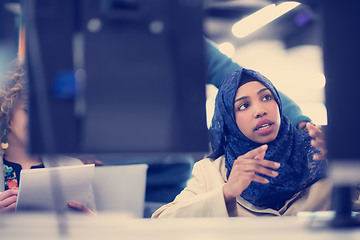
(264, 127)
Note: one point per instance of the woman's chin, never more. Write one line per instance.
(265, 139)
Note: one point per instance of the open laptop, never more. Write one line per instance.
(120, 188)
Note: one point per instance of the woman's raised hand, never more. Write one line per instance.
(8, 200)
(318, 142)
(244, 172)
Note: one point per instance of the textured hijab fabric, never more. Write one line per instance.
(291, 148)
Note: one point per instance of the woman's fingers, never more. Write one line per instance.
(11, 207)
(315, 131)
(8, 205)
(9, 193)
(318, 142)
(254, 161)
(80, 208)
(321, 155)
(258, 167)
(320, 145)
(256, 153)
(262, 162)
(256, 178)
(8, 200)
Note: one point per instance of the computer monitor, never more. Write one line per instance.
(115, 76)
(341, 38)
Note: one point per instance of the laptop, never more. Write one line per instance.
(120, 188)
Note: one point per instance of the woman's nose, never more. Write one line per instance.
(259, 111)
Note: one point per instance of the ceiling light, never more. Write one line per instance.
(260, 18)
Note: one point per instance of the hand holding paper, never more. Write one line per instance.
(52, 188)
(8, 200)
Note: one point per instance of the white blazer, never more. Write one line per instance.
(203, 196)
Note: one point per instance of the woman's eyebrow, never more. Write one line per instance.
(242, 98)
(262, 90)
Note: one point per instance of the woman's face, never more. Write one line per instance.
(18, 129)
(256, 112)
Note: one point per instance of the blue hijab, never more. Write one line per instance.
(291, 148)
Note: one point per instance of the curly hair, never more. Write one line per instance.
(11, 90)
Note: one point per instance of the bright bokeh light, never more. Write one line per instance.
(260, 18)
(211, 92)
(316, 111)
(227, 48)
(320, 80)
(289, 79)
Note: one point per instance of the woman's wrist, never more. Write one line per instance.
(227, 195)
(230, 201)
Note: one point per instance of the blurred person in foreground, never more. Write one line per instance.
(14, 140)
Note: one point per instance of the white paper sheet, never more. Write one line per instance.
(120, 188)
(45, 188)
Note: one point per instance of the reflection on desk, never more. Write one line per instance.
(118, 226)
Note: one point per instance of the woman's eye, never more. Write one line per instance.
(267, 97)
(243, 106)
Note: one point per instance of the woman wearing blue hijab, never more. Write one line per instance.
(248, 114)
(260, 163)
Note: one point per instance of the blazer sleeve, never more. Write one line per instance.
(198, 199)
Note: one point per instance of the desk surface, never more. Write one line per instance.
(117, 226)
